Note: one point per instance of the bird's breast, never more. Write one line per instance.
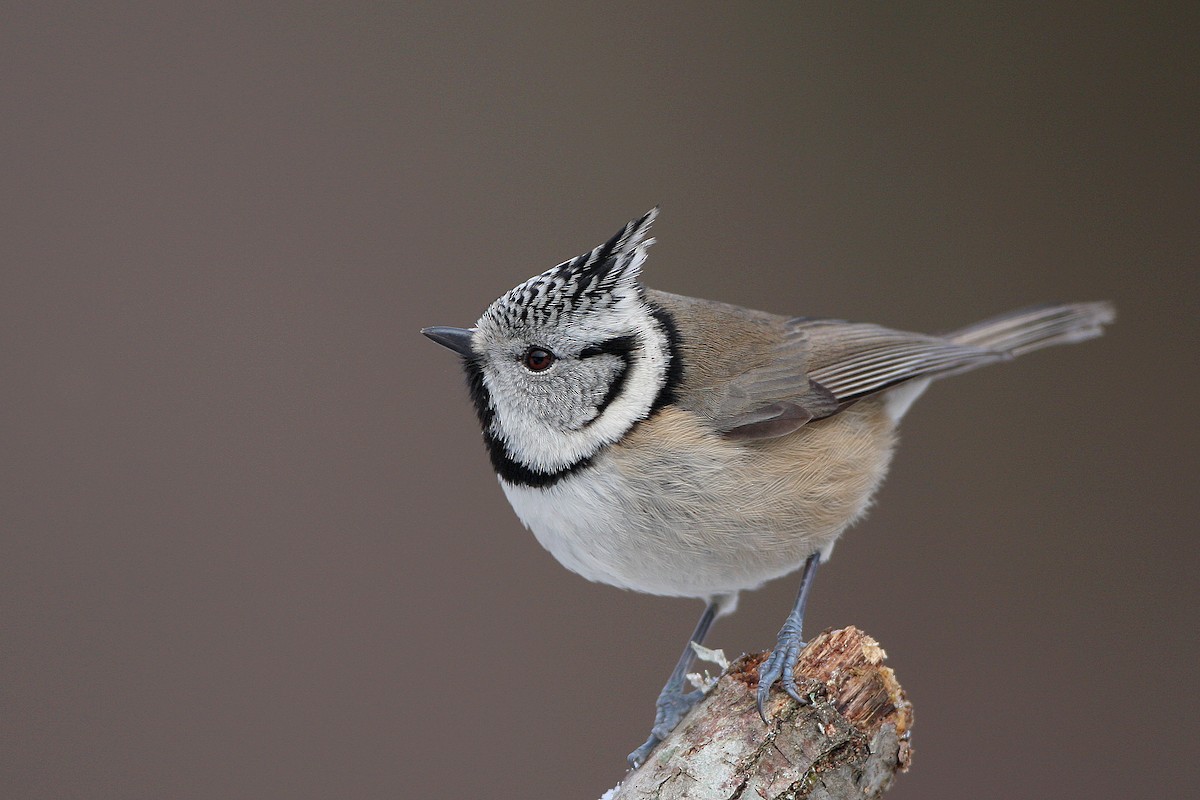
(675, 509)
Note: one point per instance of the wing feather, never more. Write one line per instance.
(823, 366)
(808, 369)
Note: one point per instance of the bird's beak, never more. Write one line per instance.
(457, 339)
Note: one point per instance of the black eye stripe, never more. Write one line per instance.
(620, 346)
(614, 390)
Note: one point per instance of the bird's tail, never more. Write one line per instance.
(1021, 331)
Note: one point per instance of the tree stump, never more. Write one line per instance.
(849, 741)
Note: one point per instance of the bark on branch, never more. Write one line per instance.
(849, 742)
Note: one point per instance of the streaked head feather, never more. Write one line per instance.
(604, 278)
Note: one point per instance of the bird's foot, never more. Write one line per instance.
(672, 706)
(780, 666)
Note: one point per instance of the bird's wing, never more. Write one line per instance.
(776, 397)
(856, 360)
(823, 366)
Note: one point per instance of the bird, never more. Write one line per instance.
(692, 448)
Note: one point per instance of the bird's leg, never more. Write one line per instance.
(781, 664)
(673, 702)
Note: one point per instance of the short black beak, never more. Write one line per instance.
(457, 339)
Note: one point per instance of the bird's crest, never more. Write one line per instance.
(602, 278)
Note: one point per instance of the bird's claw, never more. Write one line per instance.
(639, 756)
(780, 666)
(669, 710)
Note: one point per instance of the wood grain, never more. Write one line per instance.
(849, 741)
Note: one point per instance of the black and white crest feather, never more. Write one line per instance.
(599, 279)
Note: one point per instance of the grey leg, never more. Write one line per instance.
(781, 664)
(673, 703)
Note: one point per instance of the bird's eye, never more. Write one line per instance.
(538, 359)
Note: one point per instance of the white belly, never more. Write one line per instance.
(675, 510)
(658, 538)
(584, 524)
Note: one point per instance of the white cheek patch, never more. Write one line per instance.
(549, 440)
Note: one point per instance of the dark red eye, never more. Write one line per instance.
(538, 359)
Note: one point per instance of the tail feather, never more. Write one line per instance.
(1029, 329)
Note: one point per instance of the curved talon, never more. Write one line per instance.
(669, 711)
(779, 666)
(673, 702)
(768, 673)
(639, 756)
(789, 678)
(782, 661)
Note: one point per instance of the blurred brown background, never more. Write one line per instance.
(251, 546)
